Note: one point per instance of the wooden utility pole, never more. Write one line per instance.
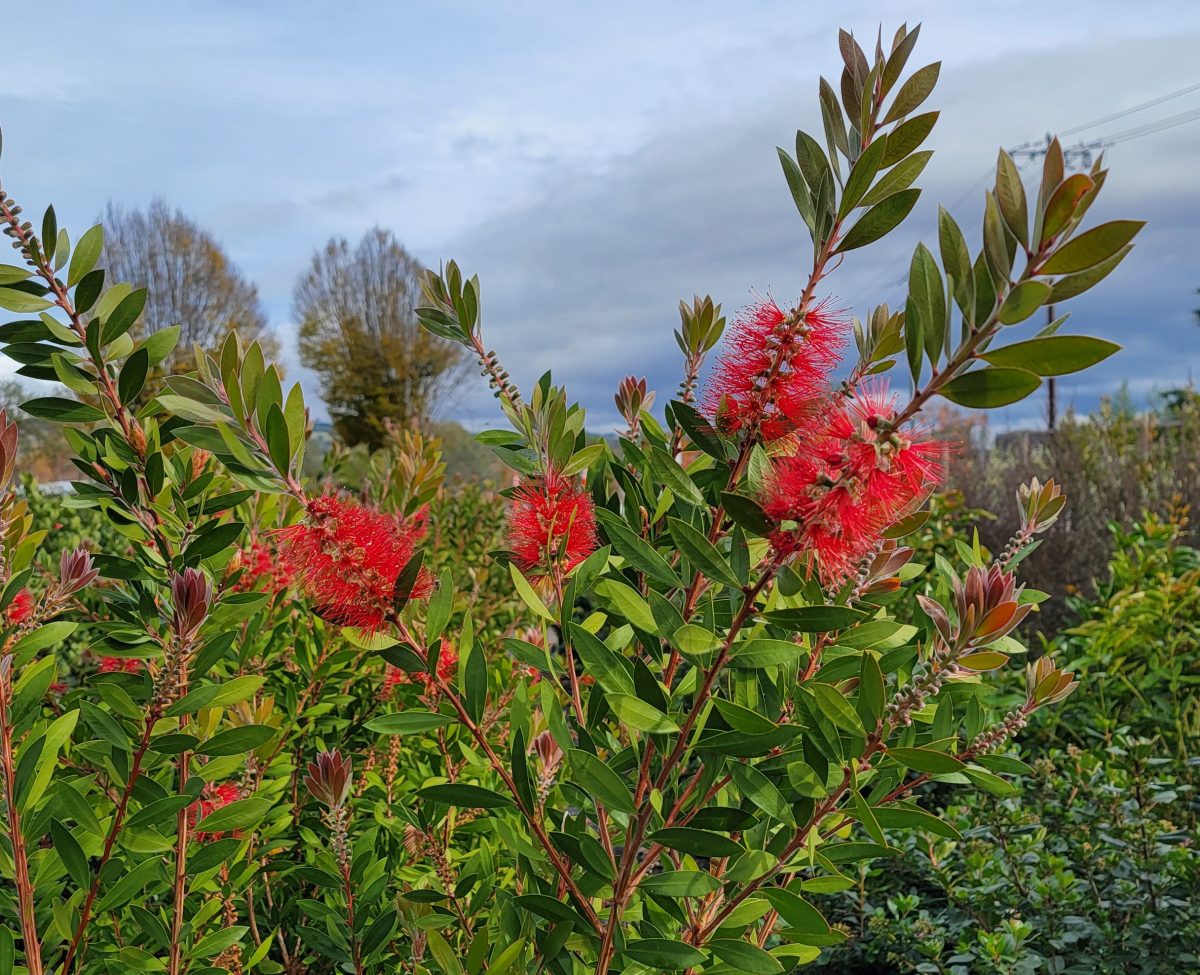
(1080, 155)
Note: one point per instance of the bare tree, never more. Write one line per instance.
(358, 332)
(190, 279)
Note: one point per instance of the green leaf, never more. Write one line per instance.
(408, 722)
(599, 781)
(1062, 203)
(466, 796)
(861, 174)
(990, 387)
(926, 760)
(62, 410)
(133, 375)
(696, 842)
(216, 695)
(8, 951)
(674, 477)
(701, 553)
(639, 715)
(836, 708)
(759, 652)
(1054, 355)
(681, 883)
(1077, 284)
(745, 957)
(239, 814)
(121, 319)
(913, 92)
(989, 782)
(217, 941)
(742, 718)
(927, 296)
(237, 741)
(899, 178)
(956, 258)
(815, 619)
(161, 343)
(746, 512)
(800, 915)
(213, 540)
(695, 641)
(599, 661)
(278, 444)
(443, 954)
(1026, 298)
(882, 218)
(159, 811)
(663, 954)
(21, 301)
(909, 817)
(71, 854)
(870, 691)
(1090, 248)
(627, 602)
(87, 253)
(44, 636)
(1010, 195)
(762, 792)
(527, 593)
(583, 459)
(639, 553)
(906, 136)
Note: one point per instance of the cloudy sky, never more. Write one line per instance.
(593, 162)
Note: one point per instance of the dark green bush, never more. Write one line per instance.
(1092, 865)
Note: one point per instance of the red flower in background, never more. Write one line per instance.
(393, 677)
(854, 473)
(120, 665)
(263, 569)
(214, 797)
(551, 524)
(348, 558)
(21, 607)
(775, 370)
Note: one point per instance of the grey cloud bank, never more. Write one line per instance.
(594, 165)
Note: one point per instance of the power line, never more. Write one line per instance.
(1130, 111)
(1151, 128)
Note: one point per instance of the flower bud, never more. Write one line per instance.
(1040, 505)
(192, 594)
(1046, 684)
(200, 459)
(137, 439)
(75, 571)
(329, 778)
(987, 605)
(631, 399)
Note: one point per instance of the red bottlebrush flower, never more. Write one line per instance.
(775, 370)
(551, 525)
(119, 665)
(853, 474)
(349, 557)
(393, 677)
(264, 570)
(213, 798)
(417, 524)
(20, 609)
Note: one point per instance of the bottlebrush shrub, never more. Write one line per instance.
(715, 712)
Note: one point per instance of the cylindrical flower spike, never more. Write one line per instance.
(351, 559)
(551, 525)
(775, 371)
(852, 473)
